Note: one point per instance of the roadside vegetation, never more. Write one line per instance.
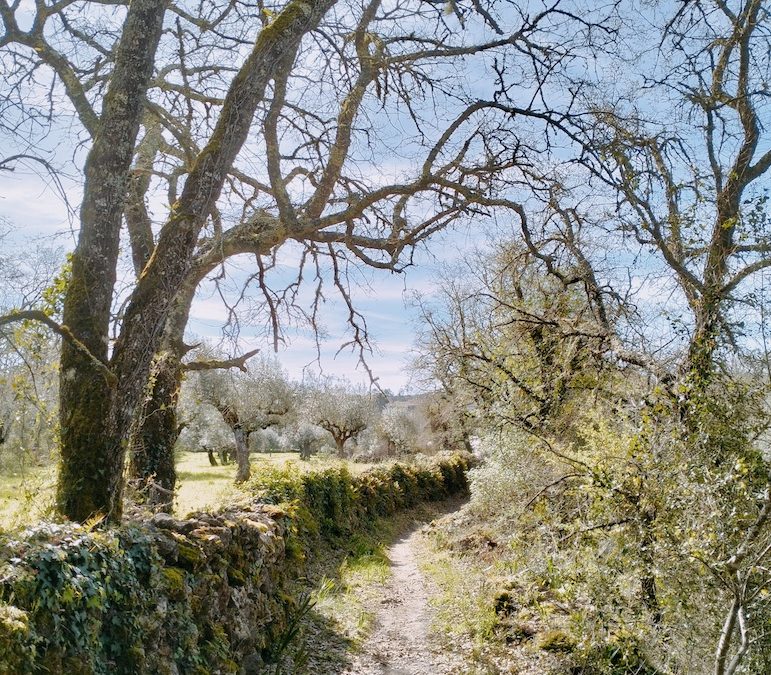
(618, 519)
(602, 344)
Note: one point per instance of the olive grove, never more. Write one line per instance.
(248, 401)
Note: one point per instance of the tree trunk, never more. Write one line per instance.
(90, 475)
(156, 432)
(244, 470)
(96, 422)
(701, 350)
(157, 313)
(212, 458)
(340, 445)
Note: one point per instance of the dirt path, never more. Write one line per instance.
(401, 642)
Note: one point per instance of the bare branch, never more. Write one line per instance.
(64, 332)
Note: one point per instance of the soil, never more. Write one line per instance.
(401, 642)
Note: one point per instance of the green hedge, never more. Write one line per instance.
(202, 595)
(333, 504)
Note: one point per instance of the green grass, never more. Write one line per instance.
(26, 497)
(465, 604)
(202, 486)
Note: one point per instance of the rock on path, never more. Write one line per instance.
(401, 642)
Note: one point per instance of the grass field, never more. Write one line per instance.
(26, 497)
(201, 486)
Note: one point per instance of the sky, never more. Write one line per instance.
(32, 206)
(38, 217)
(382, 298)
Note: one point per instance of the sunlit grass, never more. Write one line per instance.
(465, 603)
(348, 599)
(27, 496)
(202, 486)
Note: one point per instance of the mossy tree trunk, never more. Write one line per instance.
(152, 456)
(648, 576)
(699, 367)
(97, 421)
(152, 446)
(244, 471)
(90, 474)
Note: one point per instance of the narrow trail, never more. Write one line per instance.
(401, 642)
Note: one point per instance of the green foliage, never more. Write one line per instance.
(333, 505)
(620, 654)
(85, 595)
(626, 521)
(53, 294)
(304, 604)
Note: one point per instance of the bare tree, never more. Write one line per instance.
(281, 144)
(683, 164)
(511, 339)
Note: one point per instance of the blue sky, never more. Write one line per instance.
(30, 204)
(39, 217)
(384, 300)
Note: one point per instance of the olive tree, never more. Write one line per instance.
(337, 407)
(203, 427)
(307, 438)
(248, 401)
(398, 427)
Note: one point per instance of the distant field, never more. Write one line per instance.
(27, 497)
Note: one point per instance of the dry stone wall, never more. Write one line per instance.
(209, 594)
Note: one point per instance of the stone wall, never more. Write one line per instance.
(209, 594)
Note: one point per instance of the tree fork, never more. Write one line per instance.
(153, 299)
(156, 432)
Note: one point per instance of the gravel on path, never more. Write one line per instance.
(401, 642)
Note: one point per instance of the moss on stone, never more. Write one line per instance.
(160, 603)
(174, 582)
(15, 647)
(236, 577)
(189, 555)
(557, 641)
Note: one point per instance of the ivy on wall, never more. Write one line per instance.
(200, 595)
